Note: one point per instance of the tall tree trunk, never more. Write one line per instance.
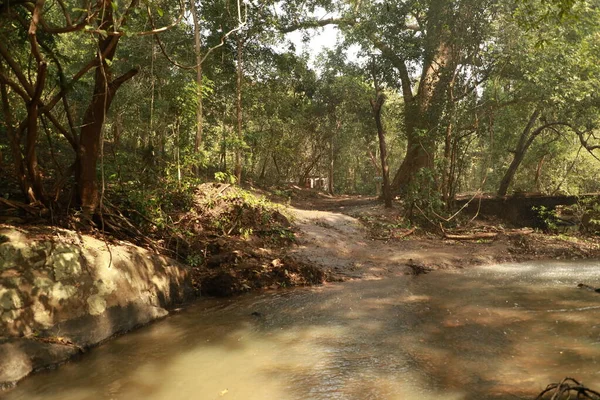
(423, 112)
(15, 148)
(447, 177)
(525, 141)
(377, 105)
(198, 50)
(419, 155)
(224, 130)
(240, 136)
(263, 170)
(94, 118)
(31, 161)
(538, 173)
(331, 165)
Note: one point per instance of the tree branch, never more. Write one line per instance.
(14, 86)
(16, 69)
(318, 23)
(117, 82)
(398, 63)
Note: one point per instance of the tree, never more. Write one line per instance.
(42, 25)
(552, 73)
(442, 42)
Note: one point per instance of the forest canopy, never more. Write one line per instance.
(110, 98)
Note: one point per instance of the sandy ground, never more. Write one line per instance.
(331, 236)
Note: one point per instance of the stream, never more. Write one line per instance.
(495, 332)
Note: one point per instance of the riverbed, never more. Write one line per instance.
(494, 332)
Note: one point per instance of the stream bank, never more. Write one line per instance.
(62, 293)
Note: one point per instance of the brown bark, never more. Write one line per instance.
(15, 148)
(94, 118)
(377, 105)
(423, 111)
(538, 172)
(31, 160)
(338, 125)
(240, 137)
(198, 49)
(331, 165)
(525, 141)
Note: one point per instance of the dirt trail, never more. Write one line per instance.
(341, 244)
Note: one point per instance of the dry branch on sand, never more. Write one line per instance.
(565, 389)
(473, 236)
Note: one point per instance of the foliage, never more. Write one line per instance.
(547, 218)
(461, 85)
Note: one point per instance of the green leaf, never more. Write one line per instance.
(160, 11)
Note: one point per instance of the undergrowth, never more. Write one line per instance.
(187, 221)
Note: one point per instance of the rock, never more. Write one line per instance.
(10, 299)
(20, 357)
(80, 293)
(90, 330)
(96, 304)
(66, 264)
(15, 364)
(9, 317)
(8, 256)
(41, 315)
(61, 292)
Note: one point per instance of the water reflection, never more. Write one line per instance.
(500, 332)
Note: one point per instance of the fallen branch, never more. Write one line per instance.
(405, 234)
(514, 232)
(472, 236)
(35, 209)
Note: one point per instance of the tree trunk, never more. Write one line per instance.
(240, 136)
(538, 173)
(423, 112)
(525, 141)
(420, 151)
(198, 49)
(89, 144)
(25, 184)
(31, 160)
(94, 118)
(331, 165)
(306, 173)
(263, 170)
(377, 105)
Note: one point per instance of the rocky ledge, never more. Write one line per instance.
(62, 293)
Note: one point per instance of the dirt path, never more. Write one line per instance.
(331, 237)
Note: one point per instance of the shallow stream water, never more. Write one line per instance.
(497, 332)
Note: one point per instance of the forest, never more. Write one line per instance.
(426, 99)
(155, 153)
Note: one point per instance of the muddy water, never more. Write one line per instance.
(500, 332)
